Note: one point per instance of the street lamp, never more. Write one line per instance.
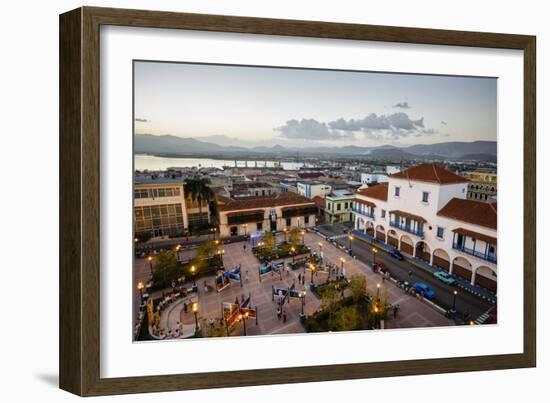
(312, 268)
(196, 312)
(374, 252)
(243, 319)
(303, 302)
(150, 260)
(140, 288)
(292, 251)
(342, 261)
(298, 219)
(350, 238)
(178, 247)
(455, 293)
(284, 232)
(377, 290)
(193, 269)
(303, 234)
(320, 250)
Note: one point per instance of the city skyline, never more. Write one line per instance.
(303, 107)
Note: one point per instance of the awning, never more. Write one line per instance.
(364, 202)
(245, 213)
(404, 214)
(476, 235)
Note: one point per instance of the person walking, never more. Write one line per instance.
(284, 316)
(299, 278)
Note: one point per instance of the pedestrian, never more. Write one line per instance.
(185, 307)
(284, 316)
(299, 278)
(244, 247)
(279, 313)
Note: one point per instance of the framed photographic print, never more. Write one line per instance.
(251, 201)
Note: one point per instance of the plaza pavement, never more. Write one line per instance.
(412, 313)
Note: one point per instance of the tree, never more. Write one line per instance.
(165, 268)
(216, 329)
(329, 300)
(199, 190)
(346, 318)
(358, 287)
(294, 236)
(268, 243)
(202, 258)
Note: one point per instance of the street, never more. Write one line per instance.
(466, 303)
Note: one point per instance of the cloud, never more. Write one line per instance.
(399, 121)
(306, 129)
(402, 105)
(444, 123)
(142, 120)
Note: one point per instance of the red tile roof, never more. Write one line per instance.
(471, 211)
(247, 203)
(319, 201)
(364, 202)
(379, 191)
(430, 173)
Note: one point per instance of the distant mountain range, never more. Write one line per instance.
(221, 146)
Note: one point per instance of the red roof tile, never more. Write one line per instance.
(430, 173)
(379, 191)
(247, 203)
(471, 211)
(319, 201)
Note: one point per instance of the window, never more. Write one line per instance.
(306, 219)
(425, 196)
(440, 232)
(259, 226)
(346, 205)
(338, 206)
(383, 213)
(288, 222)
(397, 191)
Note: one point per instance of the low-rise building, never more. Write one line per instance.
(424, 212)
(338, 206)
(482, 185)
(245, 215)
(310, 189)
(369, 178)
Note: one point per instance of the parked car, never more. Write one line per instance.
(445, 277)
(396, 254)
(424, 290)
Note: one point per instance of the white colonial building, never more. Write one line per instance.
(423, 211)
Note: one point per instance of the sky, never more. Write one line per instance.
(301, 107)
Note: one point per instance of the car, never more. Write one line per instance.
(424, 290)
(381, 266)
(445, 277)
(396, 254)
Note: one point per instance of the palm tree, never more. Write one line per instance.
(199, 190)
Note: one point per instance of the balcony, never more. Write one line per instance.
(418, 232)
(482, 255)
(366, 213)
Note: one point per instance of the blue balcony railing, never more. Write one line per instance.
(482, 255)
(366, 213)
(418, 232)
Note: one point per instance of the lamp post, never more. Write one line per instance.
(303, 302)
(284, 233)
(376, 315)
(374, 252)
(298, 219)
(150, 260)
(140, 288)
(292, 251)
(455, 293)
(378, 291)
(196, 312)
(320, 250)
(243, 319)
(303, 235)
(350, 238)
(178, 247)
(312, 268)
(342, 261)
(193, 270)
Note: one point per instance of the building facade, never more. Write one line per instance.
(424, 212)
(338, 207)
(246, 215)
(482, 185)
(310, 189)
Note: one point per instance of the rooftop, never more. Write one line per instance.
(429, 173)
(245, 203)
(471, 211)
(148, 180)
(379, 192)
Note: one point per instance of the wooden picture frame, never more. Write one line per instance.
(79, 346)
